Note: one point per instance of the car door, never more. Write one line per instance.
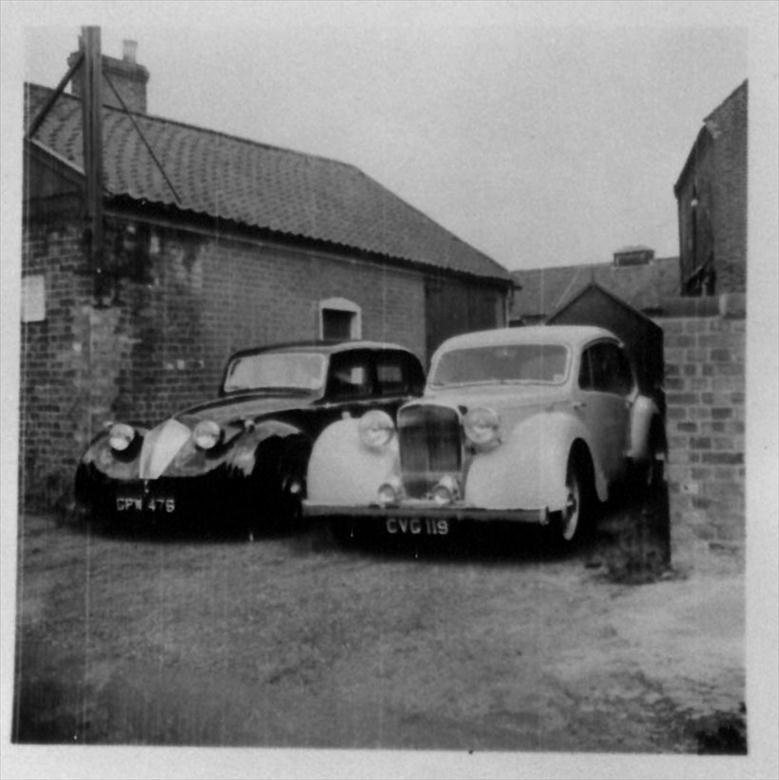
(604, 398)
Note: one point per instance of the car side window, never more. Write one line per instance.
(605, 369)
(397, 374)
(623, 376)
(416, 375)
(390, 376)
(350, 376)
(601, 366)
(585, 372)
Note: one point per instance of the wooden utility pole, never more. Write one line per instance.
(92, 117)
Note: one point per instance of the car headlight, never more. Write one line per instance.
(207, 434)
(376, 429)
(120, 436)
(482, 428)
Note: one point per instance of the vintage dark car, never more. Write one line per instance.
(531, 424)
(242, 457)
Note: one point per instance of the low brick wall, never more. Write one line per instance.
(705, 387)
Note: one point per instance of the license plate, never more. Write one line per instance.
(417, 526)
(145, 504)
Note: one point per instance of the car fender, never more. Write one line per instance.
(644, 413)
(528, 469)
(100, 457)
(342, 470)
(239, 453)
(247, 451)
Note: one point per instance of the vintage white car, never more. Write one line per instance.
(529, 424)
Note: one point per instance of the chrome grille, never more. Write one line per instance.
(430, 446)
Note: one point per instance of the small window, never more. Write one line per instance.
(339, 319)
(336, 324)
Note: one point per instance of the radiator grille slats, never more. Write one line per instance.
(430, 446)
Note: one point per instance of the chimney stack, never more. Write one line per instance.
(633, 255)
(126, 75)
(129, 50)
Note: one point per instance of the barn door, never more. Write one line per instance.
(453, 307)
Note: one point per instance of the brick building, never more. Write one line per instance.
(711, 193)
(226, 243)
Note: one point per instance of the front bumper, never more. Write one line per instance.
(457, 512)
(216, 498)
(162, 500)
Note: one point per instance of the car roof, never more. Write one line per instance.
(568, 335)
(323, 347)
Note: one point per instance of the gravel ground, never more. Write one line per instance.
(492, 643)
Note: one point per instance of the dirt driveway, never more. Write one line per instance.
(491, 644)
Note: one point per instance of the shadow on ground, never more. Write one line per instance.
(629, 543)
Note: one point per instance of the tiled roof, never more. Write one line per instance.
(734, 104)
(736, 98)
(644, 287)
(256, 185)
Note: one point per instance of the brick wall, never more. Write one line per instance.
(705, 386)
(717, 174)
(729, 191)
(165, 344)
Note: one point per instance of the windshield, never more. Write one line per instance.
(536, 363)
(275, 370)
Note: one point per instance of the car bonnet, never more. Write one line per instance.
(230, 409)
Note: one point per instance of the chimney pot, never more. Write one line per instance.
(129, 49)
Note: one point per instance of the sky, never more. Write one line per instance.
(540, 134)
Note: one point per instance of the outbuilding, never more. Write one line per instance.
(212, 243)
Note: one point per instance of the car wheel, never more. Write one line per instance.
(574, 520)
(571, 516)
(275, 490)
